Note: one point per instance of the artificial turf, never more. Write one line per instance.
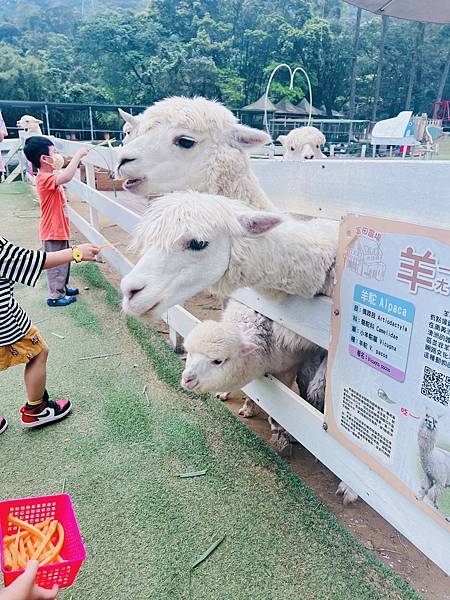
(118, 455)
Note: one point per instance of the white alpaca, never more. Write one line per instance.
(302, 143)
(30, 125)
(191, 144)
(435, 461)
(193, 242)
(227, 355)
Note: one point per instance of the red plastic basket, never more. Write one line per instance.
(34, 510)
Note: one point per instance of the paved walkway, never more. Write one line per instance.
(118, 455)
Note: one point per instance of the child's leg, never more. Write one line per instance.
(58, 276)
(35, 377)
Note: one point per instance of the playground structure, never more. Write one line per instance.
(340, 187)
(441, 112)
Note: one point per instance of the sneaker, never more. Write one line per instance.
(72, 291)
(3, 424)
(61, 301)
(44, 413)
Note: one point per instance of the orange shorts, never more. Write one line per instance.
(23, 350)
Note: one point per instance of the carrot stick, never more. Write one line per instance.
(56, 549)
(27, 526)
(7, 560)
(22, 552)
(30, 547)
(10, 538)
(46, 540)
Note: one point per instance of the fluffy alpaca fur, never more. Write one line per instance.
(154, 162)
(435, 461)
(302, 143)
(244, 248)
(30, 124)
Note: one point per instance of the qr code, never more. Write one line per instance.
(436, 385)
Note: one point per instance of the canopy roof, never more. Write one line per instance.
(286, 106)
(433, 11)
(303, 108)
(258, 106)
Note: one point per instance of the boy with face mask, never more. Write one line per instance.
(54, 227)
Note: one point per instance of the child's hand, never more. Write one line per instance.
(24, 588)
(81, 153)
(89, 251)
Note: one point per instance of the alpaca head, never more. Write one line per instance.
(302, 144)
(30, 124)
(183, 143)
(187, 240)
(216, 358)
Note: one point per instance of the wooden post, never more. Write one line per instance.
(417, 56)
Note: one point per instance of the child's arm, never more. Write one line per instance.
(67, 174)
(54, 259)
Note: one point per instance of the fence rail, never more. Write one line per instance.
(325, 189)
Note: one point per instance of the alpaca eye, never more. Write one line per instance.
(217, 362)
(197, 245)
(185, 142)
(292, 148)
(317, 145)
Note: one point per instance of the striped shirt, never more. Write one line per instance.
(17, 265)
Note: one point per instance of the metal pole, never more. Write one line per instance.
(47, 122)
(353, 76)
(384, 21)
(91, 122)
(416, 57)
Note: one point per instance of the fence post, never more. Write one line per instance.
(90, 181)
(47, 120)
(91, 123)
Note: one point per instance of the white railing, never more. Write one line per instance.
(399, 190)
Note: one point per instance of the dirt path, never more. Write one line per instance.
(364, 523)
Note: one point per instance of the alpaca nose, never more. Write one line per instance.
(132, 292)
(309, 157)
(189, 379)
(124, 161)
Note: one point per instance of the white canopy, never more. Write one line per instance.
(432, 11)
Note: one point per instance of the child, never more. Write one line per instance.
(24, 587)
(54, 228)
(20, 341)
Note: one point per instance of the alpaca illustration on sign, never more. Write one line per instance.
(365, 258)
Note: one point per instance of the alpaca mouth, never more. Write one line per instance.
(190, 385)
(131, 184)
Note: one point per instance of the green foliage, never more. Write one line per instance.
(139, 51)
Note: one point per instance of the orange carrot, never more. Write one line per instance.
(7, 560)
(46, 540)
(54, 553)
(27, 526)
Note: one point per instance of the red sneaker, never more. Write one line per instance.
(3, 424)
(44, 413)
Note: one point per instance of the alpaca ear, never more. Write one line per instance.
(322, 139)
(133, 121)
(258, 223)
(247, 137)
(281, 139)
(247, 348)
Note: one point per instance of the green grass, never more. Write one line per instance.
(118, 456)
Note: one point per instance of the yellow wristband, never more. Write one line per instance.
(77, 254)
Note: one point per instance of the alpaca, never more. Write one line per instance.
(435, 461)
(191, 144)
(243, 345)
(302, 143)
(193, 242)
(30, 125)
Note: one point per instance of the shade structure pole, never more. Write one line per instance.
(417, 54)
(443, 78)
(384, 21)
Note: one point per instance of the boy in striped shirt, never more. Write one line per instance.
(20, 340)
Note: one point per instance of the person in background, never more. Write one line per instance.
(54, 228)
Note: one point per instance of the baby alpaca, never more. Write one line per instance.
(435, 461)
(244, 345)
(302, 143)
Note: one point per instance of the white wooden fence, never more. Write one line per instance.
(413, 191)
